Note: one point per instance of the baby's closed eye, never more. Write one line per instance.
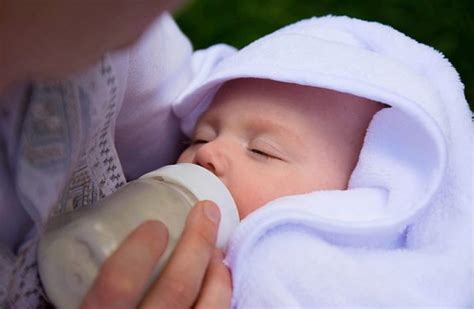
(260, 152)
(198, 141)
(265, 149)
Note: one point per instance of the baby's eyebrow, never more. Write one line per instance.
(207, 118)
(268, 125)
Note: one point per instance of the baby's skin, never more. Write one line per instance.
(266, 139)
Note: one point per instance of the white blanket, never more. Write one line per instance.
(402, 234)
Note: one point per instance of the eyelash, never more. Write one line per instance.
(262, 154)
(252, 150)
(198, 141)
(190, 142)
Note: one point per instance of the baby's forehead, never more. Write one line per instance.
(257, 102)
(271, 95)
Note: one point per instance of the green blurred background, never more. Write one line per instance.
(446, 25)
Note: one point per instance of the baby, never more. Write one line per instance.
(344, 202)
(266, 139)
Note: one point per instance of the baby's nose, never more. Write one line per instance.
(211, 156)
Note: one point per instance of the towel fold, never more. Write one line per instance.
(402, 234)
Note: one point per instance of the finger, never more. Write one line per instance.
(180, 282)
(217, 288)
(124, 275)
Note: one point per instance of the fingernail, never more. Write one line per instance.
(212, 212)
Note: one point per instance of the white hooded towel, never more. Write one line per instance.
(402, 234)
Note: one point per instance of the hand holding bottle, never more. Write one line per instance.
(77, 248)
(194, 275)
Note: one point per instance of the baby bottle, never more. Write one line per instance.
(74, 245)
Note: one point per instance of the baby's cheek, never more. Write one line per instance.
(186, 157)
(250, 199)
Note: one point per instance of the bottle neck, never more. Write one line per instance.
(185, 192)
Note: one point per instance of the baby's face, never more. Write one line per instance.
(266, 139)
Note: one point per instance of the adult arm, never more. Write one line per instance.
(53, 38)
(194, 275)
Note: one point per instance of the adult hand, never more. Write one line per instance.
(194, 276)
(52, 38)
